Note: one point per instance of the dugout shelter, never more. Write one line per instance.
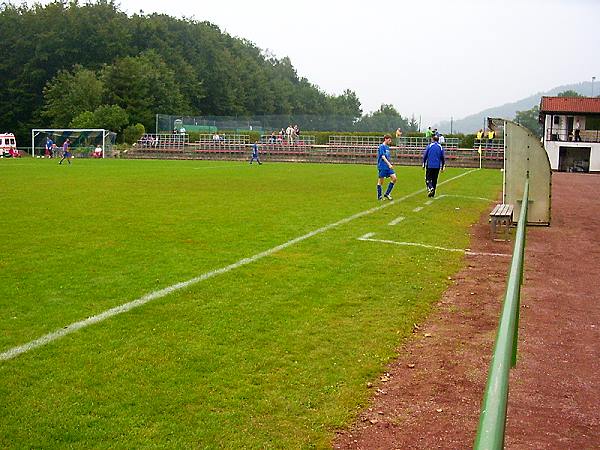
(525, 157)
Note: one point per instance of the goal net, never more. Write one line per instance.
(84, 142)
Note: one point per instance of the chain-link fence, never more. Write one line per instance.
(265, 124)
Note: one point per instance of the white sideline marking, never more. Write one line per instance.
(57, 334)
(429, 202)
(368, 236)
(467, 197)
(417, 209)
(396, 221)
(220, 167)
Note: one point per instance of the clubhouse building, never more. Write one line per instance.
(571, 134)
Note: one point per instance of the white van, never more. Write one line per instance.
(8, 146)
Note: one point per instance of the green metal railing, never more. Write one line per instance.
(492, 422)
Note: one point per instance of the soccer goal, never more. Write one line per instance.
(83, 141)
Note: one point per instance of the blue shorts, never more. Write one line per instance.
(386, 172)
(67, 154)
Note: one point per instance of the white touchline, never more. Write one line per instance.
(220, 167)
(396, 221)
(429, 202)
(417, 209)
(15, 351)
(467, 197)
(368, 237)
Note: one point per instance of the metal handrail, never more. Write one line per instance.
(492, 422)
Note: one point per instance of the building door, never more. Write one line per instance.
(574, 159)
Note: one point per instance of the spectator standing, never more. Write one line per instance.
(491, 134)
(442, 139)
(428, 134)
(296, 133)
(288, 132)
(385, 168)
(66, 152)
(398, 136)
(577, 131)
(433, 162)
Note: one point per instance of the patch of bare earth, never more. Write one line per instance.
(431, 395)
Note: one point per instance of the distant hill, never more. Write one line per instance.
(474, 122)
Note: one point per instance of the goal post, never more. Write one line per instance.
(83, 140)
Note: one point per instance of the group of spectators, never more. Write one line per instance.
(430, 134)
(489, 135)
(289, 135)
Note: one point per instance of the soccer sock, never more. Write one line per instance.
(389, 188)
(378, 191)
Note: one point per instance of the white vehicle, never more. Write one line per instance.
(8, 146)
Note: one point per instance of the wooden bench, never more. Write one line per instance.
(501, 216)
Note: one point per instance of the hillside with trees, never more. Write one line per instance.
(473, 122)
(70, 65)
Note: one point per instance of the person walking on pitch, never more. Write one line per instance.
(66, 152)
(255, 153)
(385, 168)
(433, 162)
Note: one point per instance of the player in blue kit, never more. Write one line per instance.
(66, 152)
(433, 162)
(385, 168)
(255, 153)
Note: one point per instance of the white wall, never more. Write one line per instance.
(553, 147)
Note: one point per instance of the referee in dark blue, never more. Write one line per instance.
(433, 162)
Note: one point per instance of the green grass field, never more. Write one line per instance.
(275, 351)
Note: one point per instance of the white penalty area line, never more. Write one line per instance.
(369, 237)
(57, 334)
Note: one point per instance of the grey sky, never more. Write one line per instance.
(435, 58)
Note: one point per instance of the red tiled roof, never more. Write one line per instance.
(587, 105)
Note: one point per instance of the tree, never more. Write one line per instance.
(84, 120)
(133, 133)
(142, 86)
(413, 125)
(109, 117)
(569, 93)
(69, 94)
(530, 120)
(385, 119)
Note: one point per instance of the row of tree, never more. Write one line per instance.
(70, 65)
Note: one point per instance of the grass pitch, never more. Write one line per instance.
(274, 352)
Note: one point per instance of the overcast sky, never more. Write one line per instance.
(434, 58)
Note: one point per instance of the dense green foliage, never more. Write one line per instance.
(275, 353)
(569, 93)
(530, 119)
(64, 59)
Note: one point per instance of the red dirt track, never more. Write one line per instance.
(432, 394)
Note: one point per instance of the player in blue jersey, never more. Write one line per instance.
(49, 148)
(66, 152)
(433, 162)
(255, 153)
(385, 168)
